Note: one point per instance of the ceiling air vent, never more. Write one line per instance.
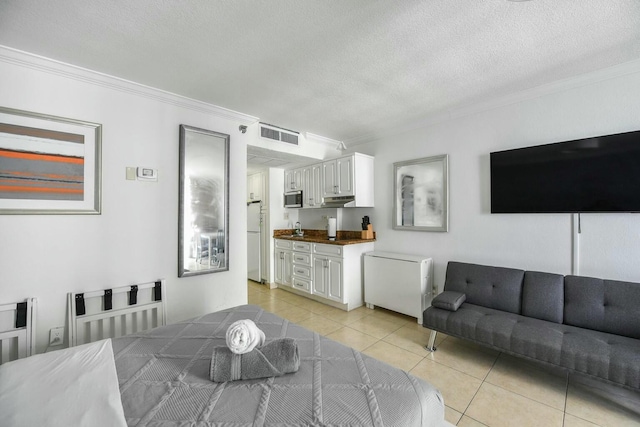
(278, 134)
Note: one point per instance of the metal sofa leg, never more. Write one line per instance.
(432, 341)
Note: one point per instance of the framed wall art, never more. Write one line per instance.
(421, 194)
(49, 164)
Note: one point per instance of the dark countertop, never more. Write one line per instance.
(320, 236)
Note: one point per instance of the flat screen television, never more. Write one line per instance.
(600, 174)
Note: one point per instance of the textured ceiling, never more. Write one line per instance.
(346, 70)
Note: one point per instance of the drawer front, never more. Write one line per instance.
(334, 250)
(283, 244)
(302, 284)
(302, 246)
(300, 258)
(301, 271)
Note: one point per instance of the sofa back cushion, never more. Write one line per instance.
(543, 296)
(492, 287)
(603, 305)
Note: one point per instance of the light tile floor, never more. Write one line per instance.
(481, 387)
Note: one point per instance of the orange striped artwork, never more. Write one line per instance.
(29, 171)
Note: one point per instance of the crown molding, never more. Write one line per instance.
(333, 143)
(51, 66)
(587, 79)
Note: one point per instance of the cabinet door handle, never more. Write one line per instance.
(251, 196)
(300, 271)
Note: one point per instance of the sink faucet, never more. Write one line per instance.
(298, 228)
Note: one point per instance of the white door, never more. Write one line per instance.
(334, 282)
(254, 241)
(329, 183)
(320, 276)
(344, 171)
(253, 256)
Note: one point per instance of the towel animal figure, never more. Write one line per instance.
(274, 359)
(243, 336)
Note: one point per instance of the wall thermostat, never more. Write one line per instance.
(147, 174)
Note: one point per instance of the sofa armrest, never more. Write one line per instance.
(449, 300)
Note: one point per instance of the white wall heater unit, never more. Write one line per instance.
(398, 282)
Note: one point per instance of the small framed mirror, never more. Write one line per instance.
(203, 229)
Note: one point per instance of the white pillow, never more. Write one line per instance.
(71, 387)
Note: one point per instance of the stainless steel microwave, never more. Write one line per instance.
(293, 199)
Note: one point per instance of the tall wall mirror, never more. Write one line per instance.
(203, 229)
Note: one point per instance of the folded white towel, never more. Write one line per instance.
(243, 336)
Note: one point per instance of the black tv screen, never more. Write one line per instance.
(600, 174)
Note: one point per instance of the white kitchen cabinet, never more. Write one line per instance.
(347, 176)
(283, 262)
(327, 277)
(254, 187)
(338, 177)
(328, 273)
(293, 180)
(301, 269)
(337, 273)
(312, 186)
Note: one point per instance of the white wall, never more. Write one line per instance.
(135, 238)
(609, 245)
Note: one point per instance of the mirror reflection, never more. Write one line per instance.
(204, 202)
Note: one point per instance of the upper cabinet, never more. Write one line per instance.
(312, 186)
(347, 176)
(293, 180)
(254, 187)
(338, 177)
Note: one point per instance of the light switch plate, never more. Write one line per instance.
(131, 173)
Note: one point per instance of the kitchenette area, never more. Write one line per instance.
(328, 271)
(319, 227)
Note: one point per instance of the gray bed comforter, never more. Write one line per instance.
(164, 381)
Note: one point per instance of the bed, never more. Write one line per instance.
(159, 376)
(164, 381)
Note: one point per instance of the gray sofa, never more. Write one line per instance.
(585, 325)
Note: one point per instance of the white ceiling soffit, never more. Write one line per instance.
(262, 158)
(342, 69)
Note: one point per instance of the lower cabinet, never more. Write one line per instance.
(332, 273)
(327, 277)
(301, 279)
(283, 262)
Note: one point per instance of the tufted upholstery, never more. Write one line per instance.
(581, 324)
(493, 287)
(543, 296)
(603, 305)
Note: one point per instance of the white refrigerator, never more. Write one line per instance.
(254, 229)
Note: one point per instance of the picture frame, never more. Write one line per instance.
(49, 164)
(203, 218)
(421, 194)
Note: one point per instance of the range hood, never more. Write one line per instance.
(339, 202)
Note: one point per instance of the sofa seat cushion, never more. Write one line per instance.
(607, 356)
